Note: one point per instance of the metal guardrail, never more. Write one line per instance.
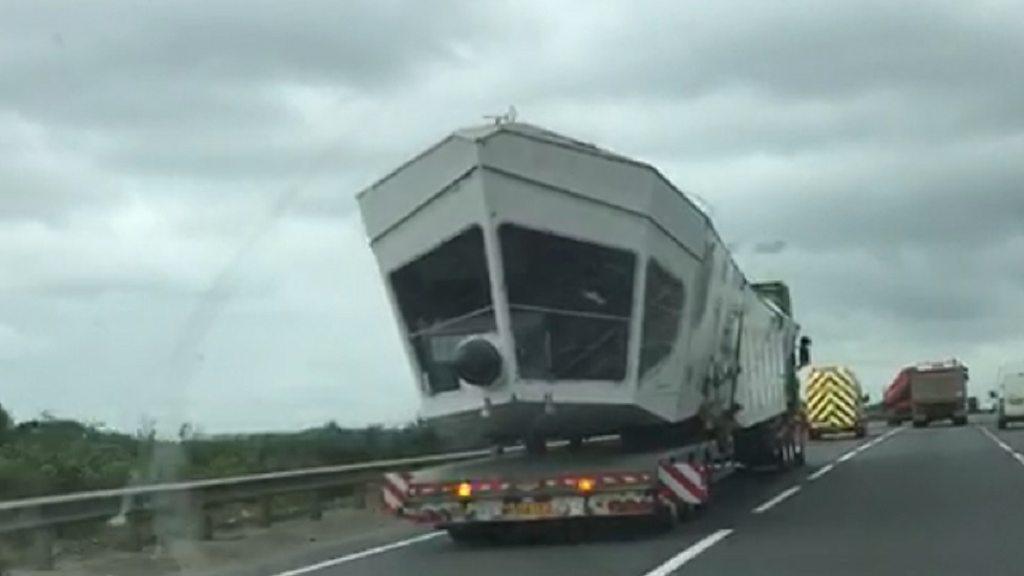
(184, 507)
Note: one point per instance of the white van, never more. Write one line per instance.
(1011, 397)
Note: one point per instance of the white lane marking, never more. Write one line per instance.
(821, 471)
(361, 554)
(776, 500)
(996, 439)
(1006, 447)
(677, 561)
(847, 456)
(850, 454)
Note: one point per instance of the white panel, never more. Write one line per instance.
(631, 186)
(762, 379)
(510, 200)
(665, 389)
(395, 197)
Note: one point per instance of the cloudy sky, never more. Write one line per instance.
(179, 238)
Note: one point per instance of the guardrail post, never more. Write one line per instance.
(135, 537)
(199, 523)
(316, 505)
(264, 511)
(359, 495)
(40, 553)
(371, 498)
(182, 515)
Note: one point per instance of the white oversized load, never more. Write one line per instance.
(548, 288)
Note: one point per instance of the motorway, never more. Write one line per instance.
(940, 500)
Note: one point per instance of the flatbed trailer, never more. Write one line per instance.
(598, 481)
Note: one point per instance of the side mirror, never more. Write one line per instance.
(805, 352)
(992, 394)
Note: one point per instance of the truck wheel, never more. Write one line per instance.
(861, 431)
(535, 445)
(814, 434)
(466, 534)
(1001, 424)
(920, 423)
(665, 520)
(960, 421)
(799, 456)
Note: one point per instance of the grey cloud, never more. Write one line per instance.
(113, 54)
(772, 247)
(805, 50)
(866, 154)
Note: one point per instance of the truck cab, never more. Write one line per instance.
(1011, 398)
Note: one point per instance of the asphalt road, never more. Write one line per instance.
(940, 500)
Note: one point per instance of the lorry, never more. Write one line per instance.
(551, 292)
(1010, 407)
(928, 392)
(835, 402)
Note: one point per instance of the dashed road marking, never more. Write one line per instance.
(821, 471)
(847, 456)
(361, 554)
(851, 453)
(766, 506)
(677, 561)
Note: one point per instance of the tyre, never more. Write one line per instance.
(861, 431)
(800, 458)
(535, 445)
(960, 421)
(467, 534)
(920, 423)
(814, 435)
(1001, 424)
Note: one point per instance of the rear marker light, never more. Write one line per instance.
(464, 490)
(585, 485)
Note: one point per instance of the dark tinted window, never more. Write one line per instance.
(444, 296)
(570, 303)
(663, 308)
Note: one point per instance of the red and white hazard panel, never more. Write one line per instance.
(687, 482)
(395, 489)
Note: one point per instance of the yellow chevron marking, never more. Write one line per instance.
(833, 397)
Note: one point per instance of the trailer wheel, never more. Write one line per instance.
(799, 451)
(960, 421)
(920, 423)
(800, 459)
(665, 519)
(861, 431)
(466, 534)
(535, 445)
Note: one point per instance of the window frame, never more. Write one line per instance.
(643, 370)
(629, 320)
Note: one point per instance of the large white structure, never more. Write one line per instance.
(547, 287)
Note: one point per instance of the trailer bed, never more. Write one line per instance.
(592, 458)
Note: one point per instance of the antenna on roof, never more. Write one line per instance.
(506, 118)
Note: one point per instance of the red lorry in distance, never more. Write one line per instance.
(927, 392)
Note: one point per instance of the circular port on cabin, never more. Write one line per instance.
(478, 362)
